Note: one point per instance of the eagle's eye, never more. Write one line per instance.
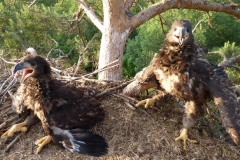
(33, 63)
(175, 29)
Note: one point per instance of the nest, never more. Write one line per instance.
(132, 133)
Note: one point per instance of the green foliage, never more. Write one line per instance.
(225, 28)
(46, 26)
(141, 48)
(230, 50)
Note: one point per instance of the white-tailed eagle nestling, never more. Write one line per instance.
(178, 70)
(65, 111)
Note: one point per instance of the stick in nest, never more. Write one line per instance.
(13, 142)
(130, 102)
(8, 121)
(113, 89)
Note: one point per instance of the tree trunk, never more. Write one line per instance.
(114, 36)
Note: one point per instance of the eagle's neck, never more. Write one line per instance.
(38, 98)
(38, 91)
(175, 57)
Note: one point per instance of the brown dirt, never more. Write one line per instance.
(131, 134)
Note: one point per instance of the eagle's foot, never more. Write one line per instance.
(42, 142)
(148, 102)
(184, 136)
(21, 127)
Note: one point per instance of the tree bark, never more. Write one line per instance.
(114, 36)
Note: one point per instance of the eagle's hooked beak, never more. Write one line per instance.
(181, 34)
(27, 70)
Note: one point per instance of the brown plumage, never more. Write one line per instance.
(66, 112)
(178, 70)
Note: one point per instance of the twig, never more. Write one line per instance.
(56, 70)
(8, 62)
(8, 121)
(95, 72)
(230, 61)
(1, 109)
(220, 53)
(130, 105)
(233, 4)
(81, 54)
(33, 2)
(13, 82)
(100, 70)
(196, 26)
(13, 142)
(113, 89)
(5, 111)
(209, 19)
(234, 66)
(145, 112)
(129, 102)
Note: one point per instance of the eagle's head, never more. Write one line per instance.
(180, 33)
(33, 66)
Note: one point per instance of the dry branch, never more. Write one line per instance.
(8, 121)
(113, 89)
(8, 62)
(230, 61)
(13, 142)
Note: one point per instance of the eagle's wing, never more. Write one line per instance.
(73, 112)
(143, 80)
(220, 88)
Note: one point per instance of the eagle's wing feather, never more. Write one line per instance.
(73, 112)
(220, 88)
(80, 140)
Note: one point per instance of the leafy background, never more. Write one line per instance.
(49, 26)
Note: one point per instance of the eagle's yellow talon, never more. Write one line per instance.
(42, 142)
(147, 102)
(184, 136)
(15, 128)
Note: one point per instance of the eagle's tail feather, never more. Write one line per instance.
(81, 141)
(224, 97)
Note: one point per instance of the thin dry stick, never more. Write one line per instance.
(220, 53)
(129, 102)
(12, 83)
(196, 26)
(13, 142)
(126, 98)
(33, 2)
(1, 109)
(8, 121)
(95, 72)
(130, 105)
(8, 62)
(100, 70)
(8, 79)
(5, 111)
(113, 89)
(209, 19)
(81, 54)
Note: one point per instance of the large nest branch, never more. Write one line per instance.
(227, 62)
(165, 5)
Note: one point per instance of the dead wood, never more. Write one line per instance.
(4, 124)
(13, 142)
